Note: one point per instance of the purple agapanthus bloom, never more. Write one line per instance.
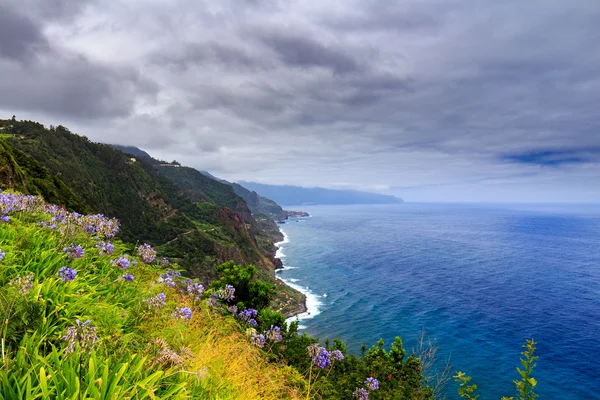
(371, 383)
(128, 277)
(227, 293)
(105, 248)
(23, 284)
(169, 278)
(361, 394)
(249, 315)
(82, 333)
(157, 301)
(183, 312)
(5, 218)
(146, 253)
(274, 334)
(122, 263)
(213, 300)
(258, 340)
(337, 355)
(74, 251)
(195, 289)
(322, 359)
(66, 274)
(164, 261)
(232, 309)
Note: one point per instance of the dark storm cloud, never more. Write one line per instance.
(20, 38)
(55, 80)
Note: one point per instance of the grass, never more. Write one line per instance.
(140, 353)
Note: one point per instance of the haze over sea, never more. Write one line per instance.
(479, 278)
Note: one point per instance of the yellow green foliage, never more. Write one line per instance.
(128, 350)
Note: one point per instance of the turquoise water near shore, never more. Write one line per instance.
(479, 278)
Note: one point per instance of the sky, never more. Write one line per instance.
(428, 100)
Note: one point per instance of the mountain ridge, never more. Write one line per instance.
(296, 195)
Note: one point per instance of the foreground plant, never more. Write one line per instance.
(525, 386)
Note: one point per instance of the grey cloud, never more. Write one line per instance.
(429, 94)
(20, 38)
(305, 52)
(45, 10)
(72, 87)
(193, 55)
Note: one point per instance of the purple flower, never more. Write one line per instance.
(23, 284)
(128, 277)
(2, 255)
(194, 289)
(82, 333)
(322, 359)
(274, 334)
(258, 340)
(183, 312)
(74, 251)
(337, 355)
(371, 383)
(66, 274)
(90, 229)
(227, 293)
(249, 315)
(164, 261)
(361, 394)
(122, 263)
(169, 278)
(146, 253)
(213, 300)
(105, 248)
(157, 301)
(5, 218)
(232, 309)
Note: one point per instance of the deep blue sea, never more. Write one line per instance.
(478, 278)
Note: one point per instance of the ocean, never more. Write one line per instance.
(479, 279)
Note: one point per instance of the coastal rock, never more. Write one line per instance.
(300, 307)
(277, 263)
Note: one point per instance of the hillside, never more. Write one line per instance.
(94, 321)
(134, 151)
(295, 195)
(196, 221)
(86, 316)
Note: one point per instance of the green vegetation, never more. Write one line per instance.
(525, 386)
(132, 348)
(194, 220)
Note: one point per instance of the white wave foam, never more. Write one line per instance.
(279, 253)
(286, 238)
(313, 301)
(285, 268)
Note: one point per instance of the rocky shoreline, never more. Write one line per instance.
(292, 302)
